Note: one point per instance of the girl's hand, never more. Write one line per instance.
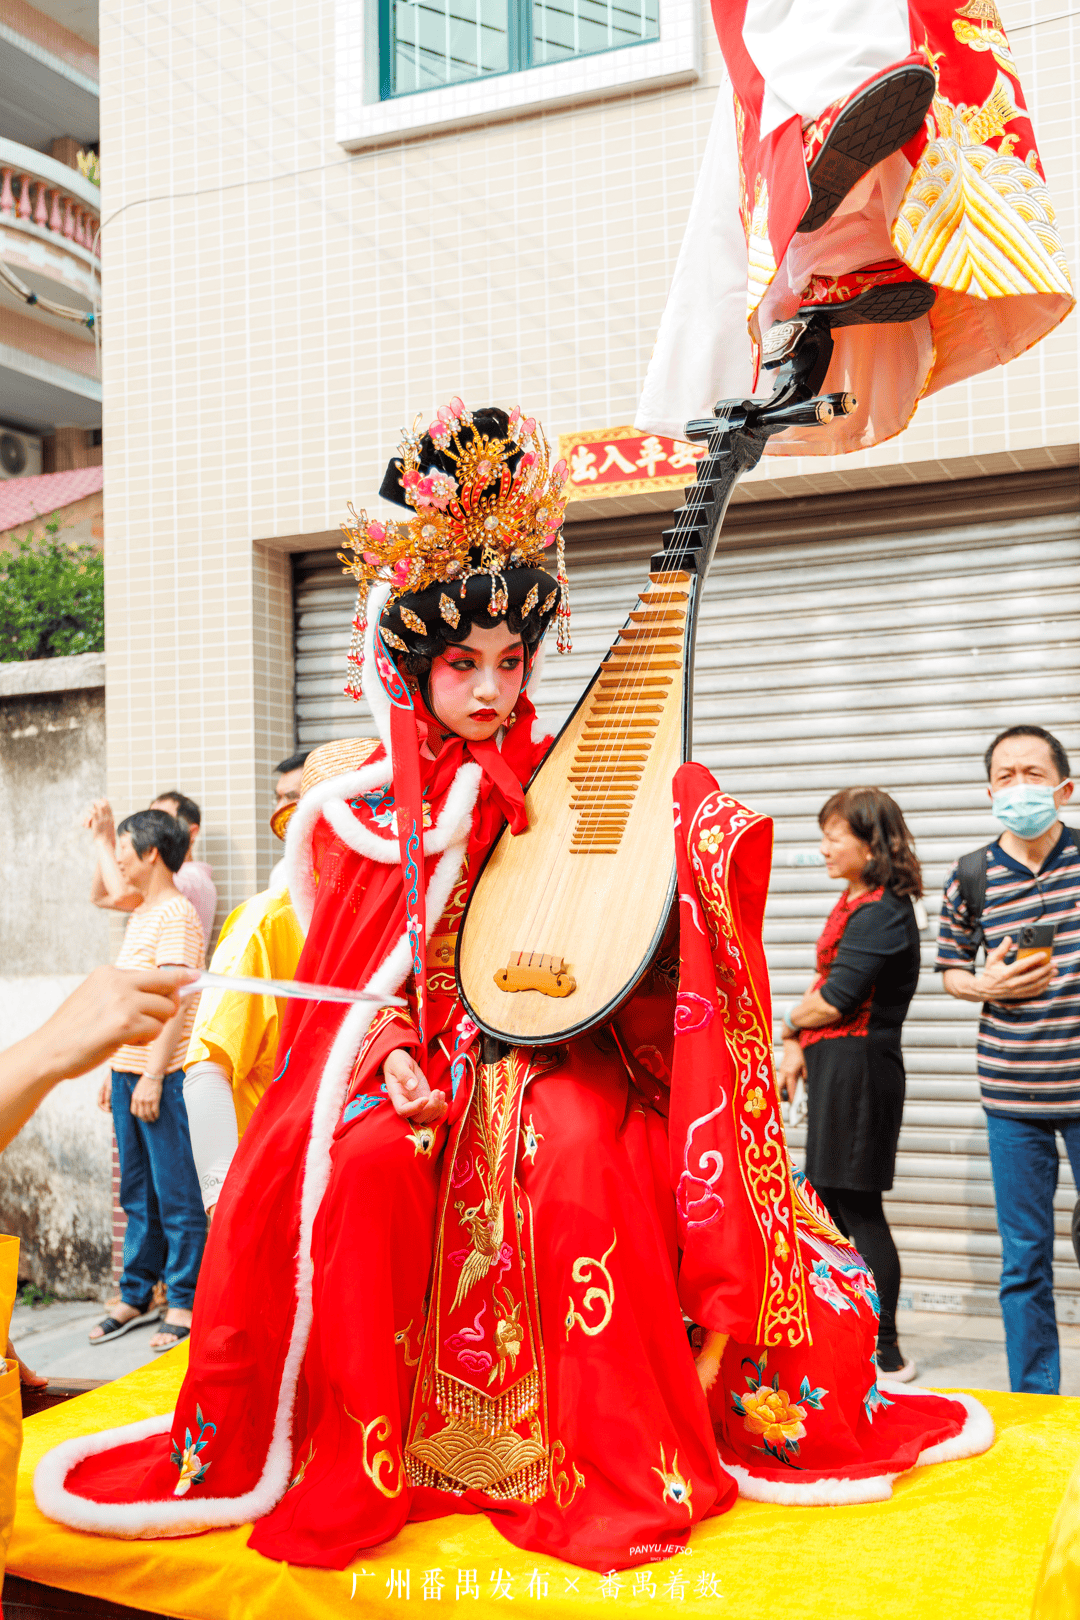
(409, 1092)
(792, 1068)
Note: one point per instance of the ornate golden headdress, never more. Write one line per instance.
(501, 508)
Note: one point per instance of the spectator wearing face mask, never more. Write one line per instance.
(1029, 1032)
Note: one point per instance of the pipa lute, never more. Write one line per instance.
(564, 919)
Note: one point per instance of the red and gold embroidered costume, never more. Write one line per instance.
(957, 210)
(400, 1321)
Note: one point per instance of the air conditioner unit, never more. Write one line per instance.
(20, 454)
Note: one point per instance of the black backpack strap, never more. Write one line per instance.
(971, 876)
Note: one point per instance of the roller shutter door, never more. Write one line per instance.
(834, 650)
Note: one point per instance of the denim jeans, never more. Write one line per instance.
(1024, 1164)
(159, 1193)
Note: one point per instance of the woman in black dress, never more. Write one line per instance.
(844, 1035)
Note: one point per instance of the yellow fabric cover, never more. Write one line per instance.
(262, 940)
(1057, 1595)
(10, 1397)
(964, 1538)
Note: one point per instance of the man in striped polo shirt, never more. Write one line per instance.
(1029, 1032)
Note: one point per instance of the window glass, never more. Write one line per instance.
(435, 42)
(563, 28)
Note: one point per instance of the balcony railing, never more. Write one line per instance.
(47, 196)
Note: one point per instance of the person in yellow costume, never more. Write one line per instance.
(230, 1058)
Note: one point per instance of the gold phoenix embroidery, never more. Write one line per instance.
(561, 1488)
(303, 1468)
(509, 1334)
(495, 1094)
(531, 1139)
(401, 1338)
(582, 1271)
(423, 1139)
(677, 1488)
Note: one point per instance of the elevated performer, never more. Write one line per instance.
(447, 1275)
(873, 163)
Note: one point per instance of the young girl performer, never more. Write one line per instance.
(441, 1280)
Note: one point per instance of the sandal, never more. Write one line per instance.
(181, 1331)
(112, 1329)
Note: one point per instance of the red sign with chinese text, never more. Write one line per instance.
(621, 461)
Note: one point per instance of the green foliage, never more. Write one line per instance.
(52, 598)
(30, 1294)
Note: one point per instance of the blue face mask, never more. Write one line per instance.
(1026, 810)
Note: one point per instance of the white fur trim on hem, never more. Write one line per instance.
(812, 1493)
(181, 1516)
(976, 1436)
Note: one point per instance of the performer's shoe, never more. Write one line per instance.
(875, 295)
(860, 130)
(878, 294)
(892, 1367)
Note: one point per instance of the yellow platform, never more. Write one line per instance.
(962, 1539)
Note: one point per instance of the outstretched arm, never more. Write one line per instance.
(110, 1007)
(107, 886)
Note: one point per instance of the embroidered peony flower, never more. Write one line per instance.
(755, 1104)
(711, 839)
(771, 1414)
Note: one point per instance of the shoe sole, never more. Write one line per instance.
(893, 302)
(877, 123)
(126, 1327)
(162, 1349)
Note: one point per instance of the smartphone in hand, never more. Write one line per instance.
(1036, 939)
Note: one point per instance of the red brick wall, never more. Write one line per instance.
(119, 1219)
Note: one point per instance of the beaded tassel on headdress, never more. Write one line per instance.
(355, 655)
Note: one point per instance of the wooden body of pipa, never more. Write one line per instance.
(591, 883)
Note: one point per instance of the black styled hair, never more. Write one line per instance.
(295, 762)
(470, 603)
(1057, 752)
(876, 819)
(187, 810)
(156, 829)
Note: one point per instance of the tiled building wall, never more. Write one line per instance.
(276, 309)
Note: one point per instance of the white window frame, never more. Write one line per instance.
(362, 120)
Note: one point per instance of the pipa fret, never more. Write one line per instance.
(621, 718)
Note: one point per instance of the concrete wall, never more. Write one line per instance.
(55, 1178)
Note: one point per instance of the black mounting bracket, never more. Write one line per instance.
(798, 351)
